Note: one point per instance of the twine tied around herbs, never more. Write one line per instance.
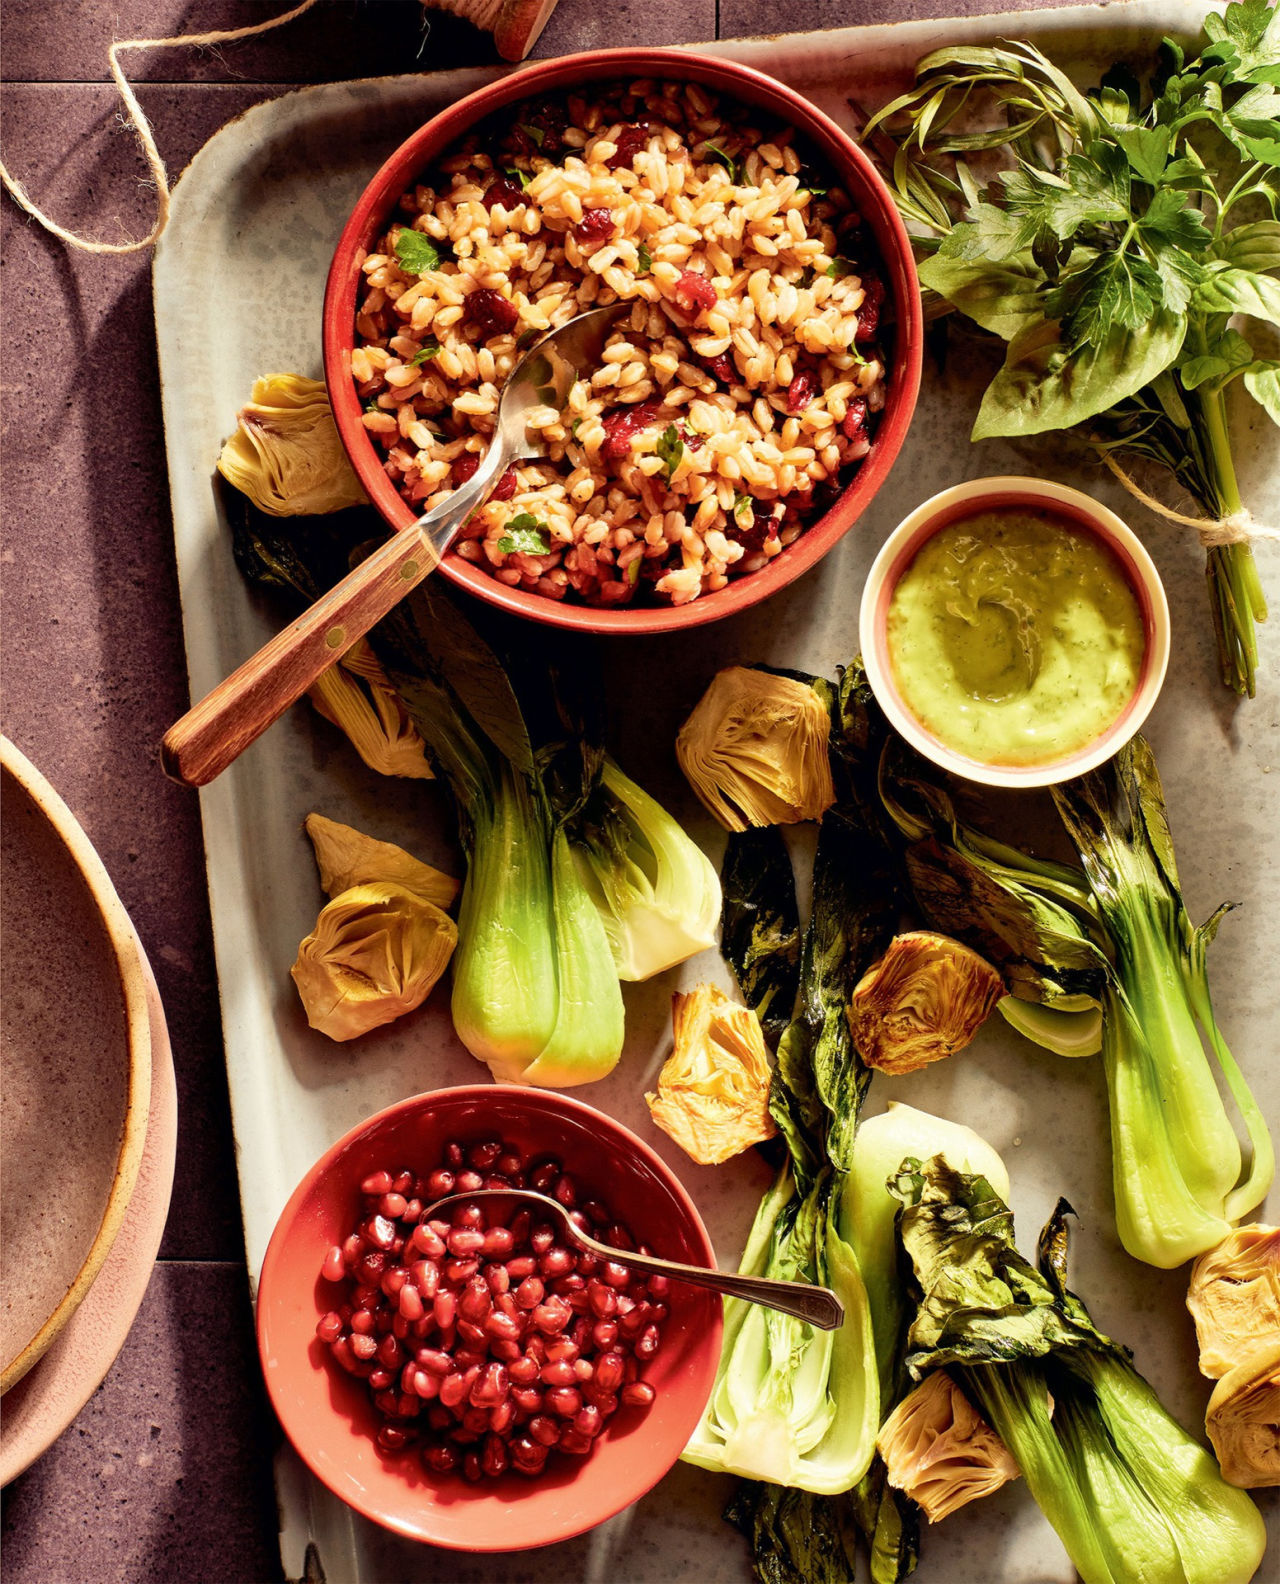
(142, 127)
(1237, 528)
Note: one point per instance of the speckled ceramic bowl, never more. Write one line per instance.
(328, 1415)
(75, 1064)
(865, 187)
(1078, 510)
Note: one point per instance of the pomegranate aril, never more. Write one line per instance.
(497, 1243)
(363, 1347)
(390, 1352)
(565, 1192)
(469, 1182)
(606, 1402)
(524, 1371)
(508, 1352)
(544, 1430)
(588, 1421)
(498, 1279)
(468, 1215)
(508, 1165)
(334, 1267)
(503, 1416)
(454, 1155)
(439, 1417)
(427, 1242)
(370, 1268)
(658, 1286)
(393, 1280)
(391, 1438)
(602, 1299)
(483, 1156)
(604, 1334)
(574, 1442)
(475, 1421)
(494, 1458)
(527, 1456)
(329, 1326)
(502, 1327)
(465, 1241)
(441, 1458)
(434, 1360)
(648, 1342)
(563, 1400)
(380, 1232)
(552, 1316)
(543, 1176)
(521, 1267)
(557, 1262)
(618, 1237)
(381, 1379)
(410, 1301)
(444, 1308)
(615, 1275)
(392, 1206)
(561, 1349)
(459, 1271)
(380, 1182)
(473, 1335)
(439, 1184)
(558, 1373)
(352, 1248)
(530, 1293)
(412, 1211)
(609, 1371)
(637, 1394)
(527, 1399)
(595, 1212)
(471, 1468)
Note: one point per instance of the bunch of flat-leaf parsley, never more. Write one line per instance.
(1116, 237)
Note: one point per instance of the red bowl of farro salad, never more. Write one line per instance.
(746, 409)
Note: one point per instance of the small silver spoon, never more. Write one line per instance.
(805, 1300)
(217, 730)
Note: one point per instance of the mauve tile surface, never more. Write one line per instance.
(166, 1473)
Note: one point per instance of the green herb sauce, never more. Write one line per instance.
(1014, 637)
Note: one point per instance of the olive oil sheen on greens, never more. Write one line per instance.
(1015, 637)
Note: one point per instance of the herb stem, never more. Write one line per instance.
(1235, 587)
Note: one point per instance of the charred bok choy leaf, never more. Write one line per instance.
(1113, 935)
(792, 1405)
(1129, 1492)
(1124, 230)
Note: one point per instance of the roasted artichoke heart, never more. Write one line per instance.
(1243, 1419)
(347, 857)
(940, 1451)
(384, 939)
(286, 455)
(713, 1092)
(375, 953)
(755, 750)
(357, 697)
(924, 1000)
(1234, 1296)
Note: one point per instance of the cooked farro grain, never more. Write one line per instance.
(729, 407)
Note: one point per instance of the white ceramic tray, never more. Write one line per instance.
(238, 282)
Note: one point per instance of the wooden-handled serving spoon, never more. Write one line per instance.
(217, 730)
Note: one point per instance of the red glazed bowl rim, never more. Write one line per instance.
(686, 1398)
(374, 207)
(1078, 510)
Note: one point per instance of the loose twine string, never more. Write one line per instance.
(142, 127)
(1237, 528)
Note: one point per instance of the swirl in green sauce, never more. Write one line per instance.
(1014, 637)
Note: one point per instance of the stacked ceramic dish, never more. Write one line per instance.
(87, 1119)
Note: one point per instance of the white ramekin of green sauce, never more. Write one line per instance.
(1014, 631)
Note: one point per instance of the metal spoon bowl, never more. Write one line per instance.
(217, 730)
(804, 1300)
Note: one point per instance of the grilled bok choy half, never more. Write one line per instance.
(792, 1405)
(1129, 1492)
(575, 876)
(1113, 933)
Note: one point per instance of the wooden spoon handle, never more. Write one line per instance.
(217, 730)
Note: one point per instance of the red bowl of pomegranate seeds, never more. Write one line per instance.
(472, 1380)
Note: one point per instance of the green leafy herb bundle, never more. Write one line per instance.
(1110, 252)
